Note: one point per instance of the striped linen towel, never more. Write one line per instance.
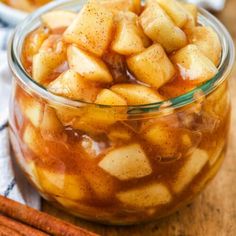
(12, 183)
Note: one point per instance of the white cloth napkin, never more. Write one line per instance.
(215, 5)
(12, 184)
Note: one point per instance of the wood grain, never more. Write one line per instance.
(213, 213)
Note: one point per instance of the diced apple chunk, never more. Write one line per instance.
(67, 115)
(58, 19)
(133, 20)
(72, 85)
(44, 63)
(51, 55)
(53, 44)
(191, 169)
(165, 137)
(175, 11)
(63, 185)
(34, 41)
(33, 140)
(32, 109)
(136, 94)
(120, 5)
(92, 29)
(97, 119)
(88, 66)
(152, 66)
(31, 169)
(100, 182)
(217, 103)
(193, 65)
(119, 133)
(158, 26)
(127, 40)
(50, 125)
(150, 195)
(217, 151)
(209, 175)
(207, 40)
(192, 13)
(107, 97)
(127, 162)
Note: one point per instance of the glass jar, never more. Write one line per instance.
(119, 164)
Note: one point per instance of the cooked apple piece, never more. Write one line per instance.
(193, 65)
(175, 11)
(34, 41)
(136, 94)
(107, 97)
(72, 85)
(133, 20)
(33, 140)
(58, 19)
(209, 175)
(119, 133)
(175, 88)
(158, 26)
(92, 29)
(61, 184)
(32, 109)
(191, 169)
(88, 66)
(150, 195)
(207, 40)
(98, 119)
(216, 152)
(50, 125)
(120, 5)
(31, 169)
(152, 66)
(100, 182)
(127, 40)
(192, 12)
(217, 103)
(78, 208)
(165, 137)
(126, 162)
(44, 63)
(117, 66)
(55, 44)
(67, 115)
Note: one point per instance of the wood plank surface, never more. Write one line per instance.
(213, 213)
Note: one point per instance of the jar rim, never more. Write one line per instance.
(204, 18)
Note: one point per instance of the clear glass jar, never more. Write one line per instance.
(119, 165)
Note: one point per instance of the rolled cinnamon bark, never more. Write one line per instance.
(40, 220)
(5, 231)
(19, 227)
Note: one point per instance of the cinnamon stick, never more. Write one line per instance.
(19, 227)
(5, 231)
(40, 220)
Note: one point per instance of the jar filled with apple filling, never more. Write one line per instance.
(26, 5)
(120, 113)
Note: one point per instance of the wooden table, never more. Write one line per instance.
(213, 213)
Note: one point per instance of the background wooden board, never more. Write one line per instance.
(213, 213)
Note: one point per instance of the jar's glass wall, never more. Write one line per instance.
(119, 165)
(113, 170)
